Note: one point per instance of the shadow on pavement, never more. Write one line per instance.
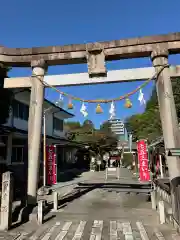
(82, 189)
(70, 175)
(70, 197)
(24, 212)
(49, 218)
(79, 191)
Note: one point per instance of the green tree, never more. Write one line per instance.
(87, 133)
(148, 124)
(108, 137)
(88, 125)
(72, 125)
(71, 129)
(78, 132)
(176, 92)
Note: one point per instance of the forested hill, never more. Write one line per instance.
(148, 124)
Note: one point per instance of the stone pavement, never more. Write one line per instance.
(85, 176)
(63, 188)
(100, 214)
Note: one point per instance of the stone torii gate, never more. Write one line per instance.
(95, 55)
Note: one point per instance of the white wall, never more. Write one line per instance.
(49, 126)
(20, 124)
(24, 97)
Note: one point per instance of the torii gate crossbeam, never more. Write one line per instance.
(113, 76)
(95, 55)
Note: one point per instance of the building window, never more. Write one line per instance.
(17, 154)
(57, 124)
(3, 149)
(20, 110)
(42, 121)
(3, 154)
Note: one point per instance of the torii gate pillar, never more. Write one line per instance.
(167, 109)
(35, 128)
(169, 121)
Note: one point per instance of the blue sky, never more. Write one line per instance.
(59, 22)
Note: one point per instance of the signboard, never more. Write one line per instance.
(117, 126)
(144, 172)
(51, 165)
(173, 151)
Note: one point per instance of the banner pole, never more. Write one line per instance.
(137, 162)
(55, 164)
(44, 147)
(144, 173)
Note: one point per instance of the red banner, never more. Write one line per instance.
(144, 172)
(51, 166)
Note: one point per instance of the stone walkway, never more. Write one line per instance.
(63, 188)
(95, 230)
(99, 229)
(85, 176)
(100, 214)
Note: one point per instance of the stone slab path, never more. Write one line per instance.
(100, 214)
(96, 230)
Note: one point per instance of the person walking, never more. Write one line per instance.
(106, 158)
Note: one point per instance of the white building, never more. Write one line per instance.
(13, 135)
